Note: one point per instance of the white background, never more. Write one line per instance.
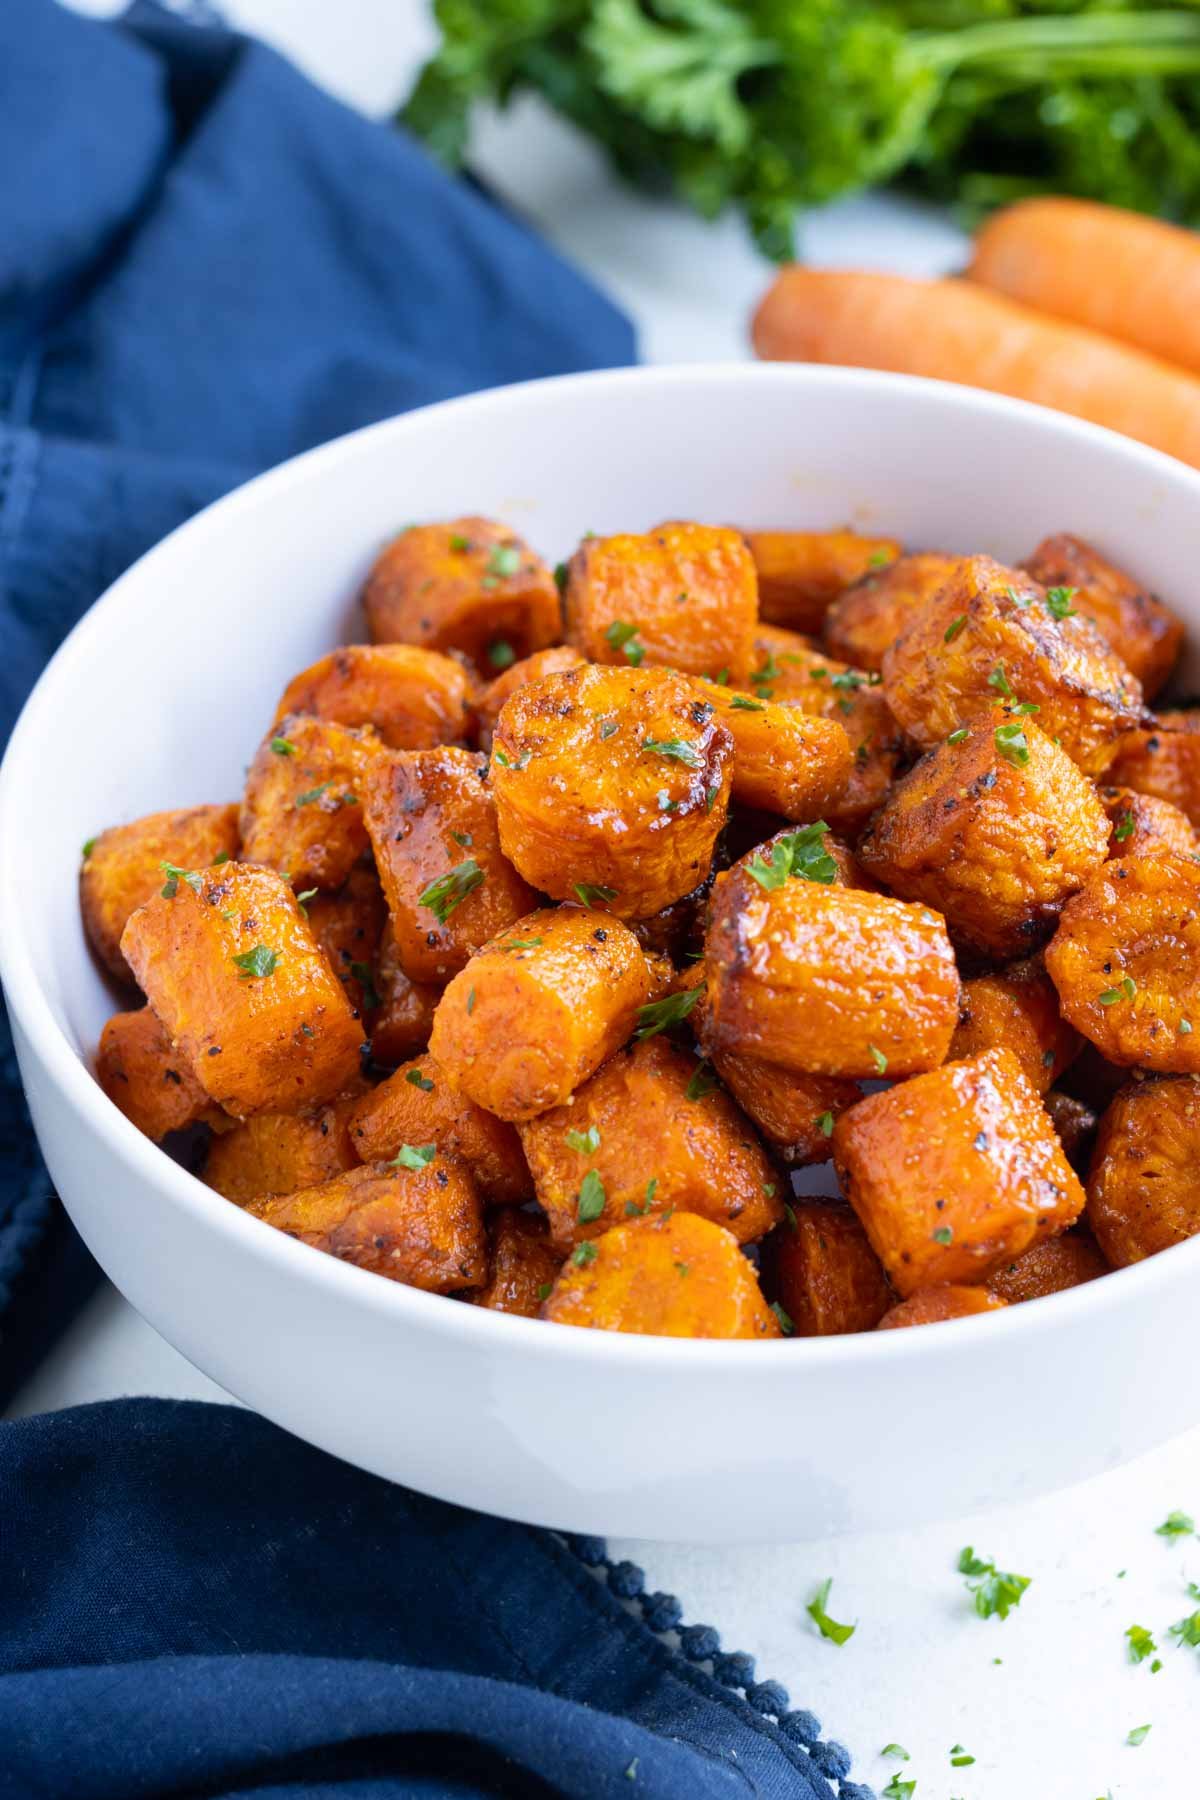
(1048, 1721)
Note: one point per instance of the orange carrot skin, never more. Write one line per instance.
(956, 331)
(1138, 279)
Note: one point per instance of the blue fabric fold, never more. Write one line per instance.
(207, 265)
(235, 1614)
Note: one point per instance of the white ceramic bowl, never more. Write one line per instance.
(158, 698)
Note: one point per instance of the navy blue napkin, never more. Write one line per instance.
(234, 1614)
(206, 266)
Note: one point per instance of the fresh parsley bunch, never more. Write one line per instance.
(771, 105)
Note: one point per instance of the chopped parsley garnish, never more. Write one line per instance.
(953, 628)
(1021, 600)
(1141, 1643)
(853, 679)
(996, 1592)
(504, 559)
(956, 737)
(787, 1328)
(743, 703)
(589, 892)
(879, 559)
(313, 794)
(464, 838)
(174, 876)
(1126, 991)
(283, 746)
(898, 1790)
(1013, 745)
(1124, 827)
(1176, 1525)
(828, 1628)
(665, 802)
(621, 636)
(608, 728)
(1026, 707)
(583, 1254)
(459, 543)
(415, 1079)
(633, 1210)
(944, 1235)
(506, 762)
(1138, 1735)
(1058, 602)
(88, 847)
(675, 748)
(1187, 1631)
(896, 1750)
(470, 1002)
(1185, 1026)
(560, 577)
(451, 889)
(703, 1083)
(544, 1290)
(591, 1198)
(413, 1156)
(878, 1058)
(303, 898)
(253, 964)
(520, 944)
(586, 1142)
(825, 1124)
(684, 1268)
(661, 1015)
(501, 654)
(362, 973)
(999, 680)
(960, 1758)
(800, 855)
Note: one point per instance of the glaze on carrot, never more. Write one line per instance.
(955, 331)
(1138, 279)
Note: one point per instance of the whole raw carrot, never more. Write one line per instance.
(1115, 271)
(955, 331)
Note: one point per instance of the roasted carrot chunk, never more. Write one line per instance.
(614, 781)
(866, 619)
(449, 887)
(302, 812)
(416, 1105)
(524, 1264)
(827, 980)
(794, 1112)
(1164, 760)
(403, 1019)
(676, 1277)
(991, 632)
(123, 868)
(141, 1074)
(783, 761)
(955, 1172)
(1050, 1267)
(801, 572)
(684, 596)
(279, 1153)
(649, 1133)
(536, 1011)
(228, 962)
(471, 585)
(822, 1271)
(420, 1225)
(519, 675)
(415, 699)
(1142, 1191)
(348, 926)
(1146, 635)
(1141, 824)
(1126, 962)
(853, 699)
(1017, 1008)
(997, 829)
(939, 1305)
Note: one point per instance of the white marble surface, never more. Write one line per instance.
(1048, 1721)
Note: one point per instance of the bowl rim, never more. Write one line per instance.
(475, 1326)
